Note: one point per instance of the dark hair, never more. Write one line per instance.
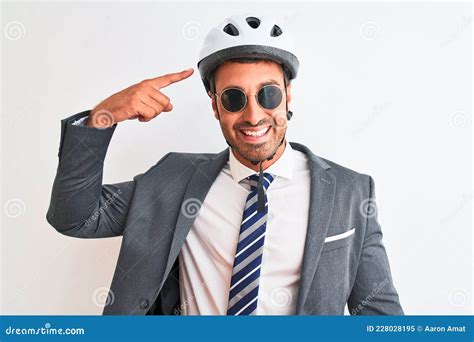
(212, 75)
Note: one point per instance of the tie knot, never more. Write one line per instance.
(267, 180)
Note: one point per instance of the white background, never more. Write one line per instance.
(384, 89)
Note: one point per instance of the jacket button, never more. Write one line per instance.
(144, 303)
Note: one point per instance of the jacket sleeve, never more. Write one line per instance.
(80, 205)
(373, 292)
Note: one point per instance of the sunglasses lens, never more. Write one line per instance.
(270, 97)
(233, 100)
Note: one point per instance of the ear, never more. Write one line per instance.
(214, 105)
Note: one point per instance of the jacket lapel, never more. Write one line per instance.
(201, 181)
(323, 185)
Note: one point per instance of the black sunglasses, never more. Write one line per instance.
(234, 99)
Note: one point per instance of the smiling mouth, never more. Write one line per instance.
(255, 133)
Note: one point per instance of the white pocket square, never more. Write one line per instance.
(340, 236)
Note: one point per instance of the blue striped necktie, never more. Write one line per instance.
(244, 284)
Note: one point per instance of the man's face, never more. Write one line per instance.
(238, 127)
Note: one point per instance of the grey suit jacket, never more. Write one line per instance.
(339, 268)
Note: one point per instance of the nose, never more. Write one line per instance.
(253, 113)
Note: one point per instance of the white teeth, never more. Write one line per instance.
(257, 133)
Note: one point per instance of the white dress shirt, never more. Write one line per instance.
(207, 256)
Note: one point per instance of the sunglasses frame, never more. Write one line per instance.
(247, 95)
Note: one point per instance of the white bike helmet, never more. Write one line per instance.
(244, 36)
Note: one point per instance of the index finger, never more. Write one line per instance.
(165, 80)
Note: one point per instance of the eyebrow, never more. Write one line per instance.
(267, 82)
(260, 85)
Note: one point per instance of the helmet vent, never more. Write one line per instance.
(276, 31)
(231, 30)
(253, 22)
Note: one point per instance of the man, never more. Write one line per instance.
(264, 227)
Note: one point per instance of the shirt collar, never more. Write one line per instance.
(283, 167)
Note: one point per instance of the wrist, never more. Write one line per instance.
(100, 119)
